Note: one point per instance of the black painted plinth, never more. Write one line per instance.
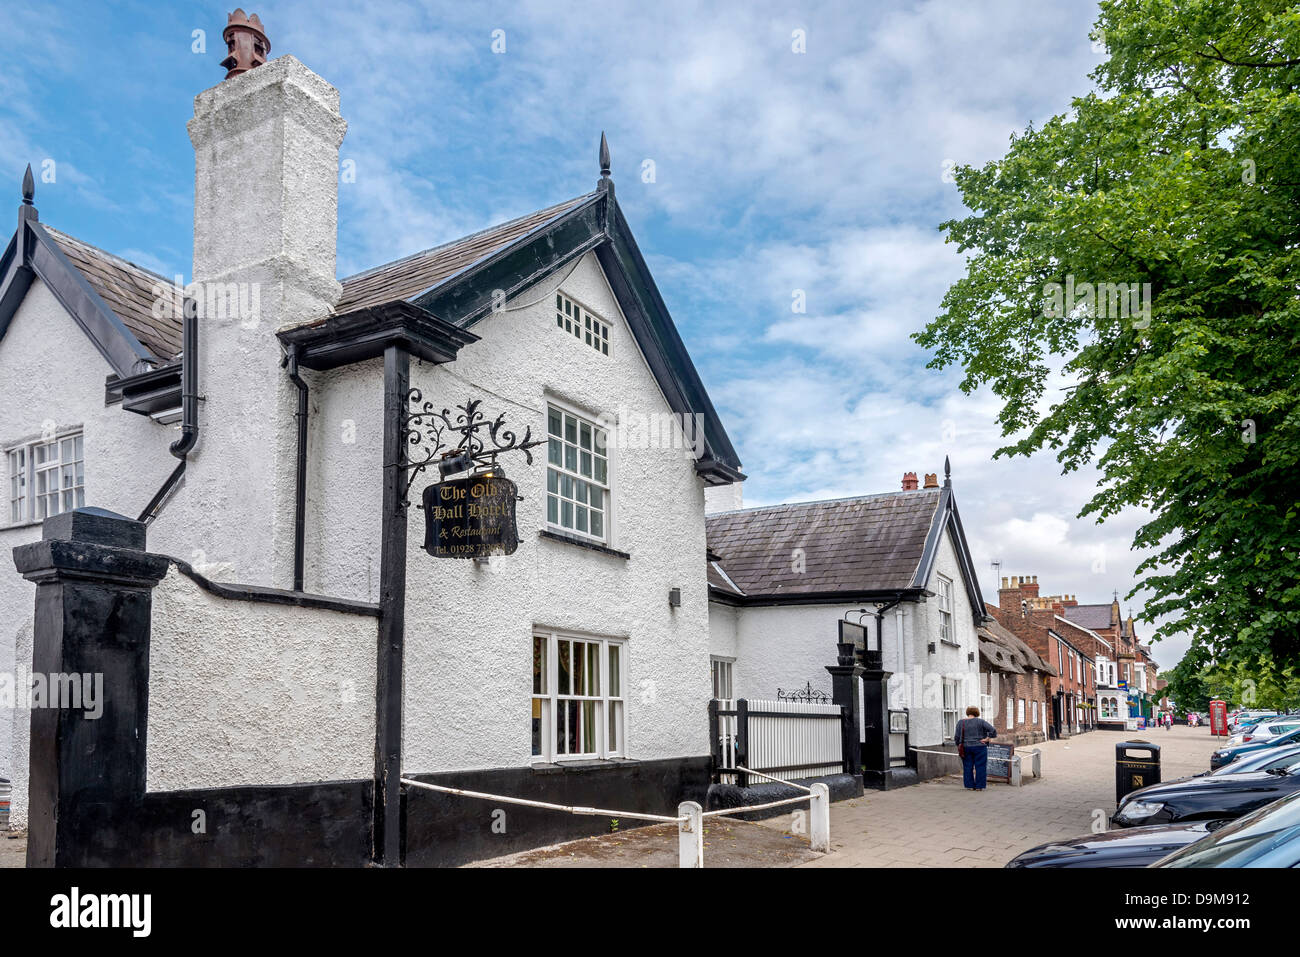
(93, 600)
(890, 779)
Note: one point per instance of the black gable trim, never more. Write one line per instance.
(32, 252)
(646, 313)
(119, 347)
(597, 225)
(467, 297)
(946, 517)
(15, 279)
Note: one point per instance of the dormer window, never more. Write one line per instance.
(581, 323)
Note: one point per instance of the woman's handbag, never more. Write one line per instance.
(961, 748)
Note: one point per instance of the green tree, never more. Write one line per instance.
(1187, 686)
(1182, 171)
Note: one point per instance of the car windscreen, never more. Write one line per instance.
(1256, 838)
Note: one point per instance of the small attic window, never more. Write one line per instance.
(581, 323)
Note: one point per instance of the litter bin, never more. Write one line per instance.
(1137, 764)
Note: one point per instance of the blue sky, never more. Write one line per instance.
(774, 171)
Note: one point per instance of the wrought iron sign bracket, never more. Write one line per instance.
(428, 430)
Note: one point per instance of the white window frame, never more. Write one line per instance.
(951, 707)
(584, 324)
(607, 706)
(1020, 711)
(564, 474)
(1034, 711)
(22, 478)
(722, 672)
(1011, 712)
(946, 625)
(986, 707)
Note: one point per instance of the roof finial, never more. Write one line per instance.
(27, 211)
(947, 471)
(604, 162)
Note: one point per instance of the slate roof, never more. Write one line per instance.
(718, 579)
(1007, 651)
(873, 543)
(129, 290)
(1090, 616)
(412, 275)
(1087, 631)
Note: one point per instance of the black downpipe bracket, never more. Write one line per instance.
(300, 501)
(182, 447)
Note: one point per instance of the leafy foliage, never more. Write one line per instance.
(1181, 171)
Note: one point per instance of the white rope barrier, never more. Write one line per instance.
(589, 811)
(690, 816)
(745, 809)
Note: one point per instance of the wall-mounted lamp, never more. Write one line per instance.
(451, 464)
(930, 647)
(970, 656)
(675, 597)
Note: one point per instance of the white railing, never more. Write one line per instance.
(795, 739)
(690, 816)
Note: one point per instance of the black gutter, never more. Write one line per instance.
(300, 500)
(189, 382)
(182, 447)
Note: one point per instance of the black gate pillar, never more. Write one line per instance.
(877, 769)
(94, 593)
(844, 692)
(875, 710)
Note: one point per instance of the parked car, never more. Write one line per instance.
(1206, 798)
(1226, 754)
(1128, 847)
(1282, 755)
(1269, 837)
(1268, 728)
(1249, 717)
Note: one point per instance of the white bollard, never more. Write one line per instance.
(819, 813)
(690, 835)
(1015, 771)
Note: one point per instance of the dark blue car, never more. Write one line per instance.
(1227, 755)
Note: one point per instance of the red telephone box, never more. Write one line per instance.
(1218, 717)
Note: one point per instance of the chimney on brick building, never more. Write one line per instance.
(909, 481)
(931, 479)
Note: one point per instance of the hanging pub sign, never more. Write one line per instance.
(471, 517)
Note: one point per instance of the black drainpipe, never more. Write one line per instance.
(300, 503)
(189, 409)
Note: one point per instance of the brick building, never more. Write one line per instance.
(1014, 684)
(1040, 622)
(1135, 667)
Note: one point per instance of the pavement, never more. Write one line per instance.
(727, 843)
(13, 848)
(939, 823)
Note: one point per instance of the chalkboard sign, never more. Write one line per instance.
(1000, 757)
(471, 517)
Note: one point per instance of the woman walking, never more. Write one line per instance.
(972, 736)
